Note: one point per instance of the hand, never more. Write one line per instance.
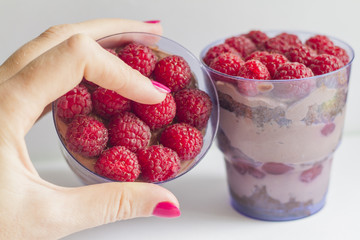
(34, 76)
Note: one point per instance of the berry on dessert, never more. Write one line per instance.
(257, 55)
(243, 45)
(273, 62)
(139, 57)
(75, 102)
(325, 63)
(310, 174)
(319, 42)
(257, 37)
(215, 51)
(276, 45)
(299, 88)
(338, 52)
(328, 129)
(174, 72)
(157, 115)
(126, 129)
(228, 63)
(184, 139)
(193, 106)
(119, 164)
(158, 163)
(254, 69)
(108, 103)
(276, 168)
(290, 39)
(302, 54)
(87, 136)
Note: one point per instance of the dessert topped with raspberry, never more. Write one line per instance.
(281, 117)
(123, 140)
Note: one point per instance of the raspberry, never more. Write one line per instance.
(338, 52)
(157, 115)
(184, 139)
(328, 129)
(215, 51)
(193, 106)
(108, 103)
(325, 63)
(257, 55)
(129, 131)
(139, 57)
(302, 54)
(174, 72)
(228, 63)
(87, 136)
(75, 102)
(248, 88)
(275, 168)
(290, 39)
(254, 69)
(276, 45)
(319, 42)
(256, 173)
(257, 37)
(310, 174)
(273, 62)
(293, 70)
(118, 163)
(158, 163)
(243, 45)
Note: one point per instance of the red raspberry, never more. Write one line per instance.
(215, 51)
(119, 164)
(319, 42)
(275, 168)
(257, 37)
(290, 89)
(87, 136)
(139, 57)
(328, 129)
(257, 55)
(302, 54)
(193, 106)
(75, 102)
(243, 45)
(273, 62)
(338, 52)
(310, 174)
(108, 103)
(174, 72)
(129, 131)
(248, 88)
(254, 69)
(158, 163)
(325, 63)
(276, 45)
(157, 115)
(228, 63)
(290, 39)
(184, 139)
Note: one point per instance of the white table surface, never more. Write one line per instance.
(207, 214)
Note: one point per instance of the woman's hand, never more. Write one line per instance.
(34, 76)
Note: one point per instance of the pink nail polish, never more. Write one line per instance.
(152, 21)
(166, 209)
(160, 87)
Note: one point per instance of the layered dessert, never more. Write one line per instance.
(282, 108)
(107, 137)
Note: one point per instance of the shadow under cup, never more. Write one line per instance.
(278, 139)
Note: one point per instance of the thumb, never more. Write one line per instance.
(95, 205)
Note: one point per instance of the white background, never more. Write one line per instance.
(194, 24)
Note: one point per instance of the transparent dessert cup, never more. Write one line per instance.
(278, 142)
(83, 167)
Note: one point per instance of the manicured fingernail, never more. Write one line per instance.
(160, 87)
(166, 209)
(152, 21)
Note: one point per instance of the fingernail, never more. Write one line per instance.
(152, 21)
(160, 87)
(166, 209)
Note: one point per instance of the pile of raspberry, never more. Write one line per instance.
(255, 55)
(132, 141)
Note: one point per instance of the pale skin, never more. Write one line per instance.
(33, 77)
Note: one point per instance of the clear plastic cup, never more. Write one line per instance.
(278, 147)
(84, 167)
